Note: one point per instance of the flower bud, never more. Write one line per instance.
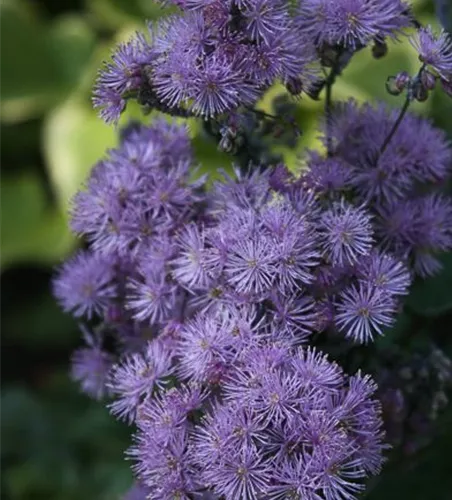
(395, 85)
(328, 55)
(226, 145)
(313, 91)
(379, 49)
(294, 86)
(428, 80)
(420, 93)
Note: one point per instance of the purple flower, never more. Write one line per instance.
(293, 479)
(352, 23)
(385, 272)
(316, 371)
(151, 298)
(84, 285)
(362, 311)
(346, 233)
(203, 343)
(418, 153)
(293, 316)
(188, 266)
(240, 475)
(250, 266)
(295, 252)
(135, 378)
(264, 19)
(121, 76)
(418, 229)
(277, 397)
(219, 87)
(327, 175)
(91, 366)
(435, 51)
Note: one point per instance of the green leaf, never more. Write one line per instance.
(74, 140)
(40, 62)
(31, 231)
(433, 296)
(113, 14)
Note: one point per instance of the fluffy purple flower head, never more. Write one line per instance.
(91, 366)
(327, 176)
(85, 284)
(346, 233)
(135, 378)
(120, 77)
(352, 23)
(150, 297)
(435, 51)
(250, 266)
(385, 273)
(364, 310)
(418, 229)
(218, 87)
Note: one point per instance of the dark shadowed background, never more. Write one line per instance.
(56, 444)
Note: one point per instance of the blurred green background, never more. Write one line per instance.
(56, 444)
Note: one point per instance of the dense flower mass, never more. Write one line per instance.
(411, 219)
(218, 288)
(214, 57)
(287, 424)
(209, 302)
(218, 55)
(352, 23)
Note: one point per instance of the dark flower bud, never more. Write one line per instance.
(328, 55)
(294, 86)
(313, 91)
(428, 80)
(226, 145)
(420, 93)
(395, 85)
(379, 49)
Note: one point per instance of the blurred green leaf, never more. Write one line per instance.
(41, 62)
(39, 322)
(113, 14)
(74, 140)
(30, 230)
(433, 296)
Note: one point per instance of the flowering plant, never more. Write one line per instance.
(220, 317)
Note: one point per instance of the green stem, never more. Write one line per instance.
(396, 125)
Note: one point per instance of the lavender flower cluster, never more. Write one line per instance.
(203, 301)
(217, 289)
(221, 54)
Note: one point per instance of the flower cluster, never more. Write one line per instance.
(435, 52)
(204, 301)
(215, 290)
(399, 183)
(219, 55)
(215, 56)
(352, 24)
(280, 424)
